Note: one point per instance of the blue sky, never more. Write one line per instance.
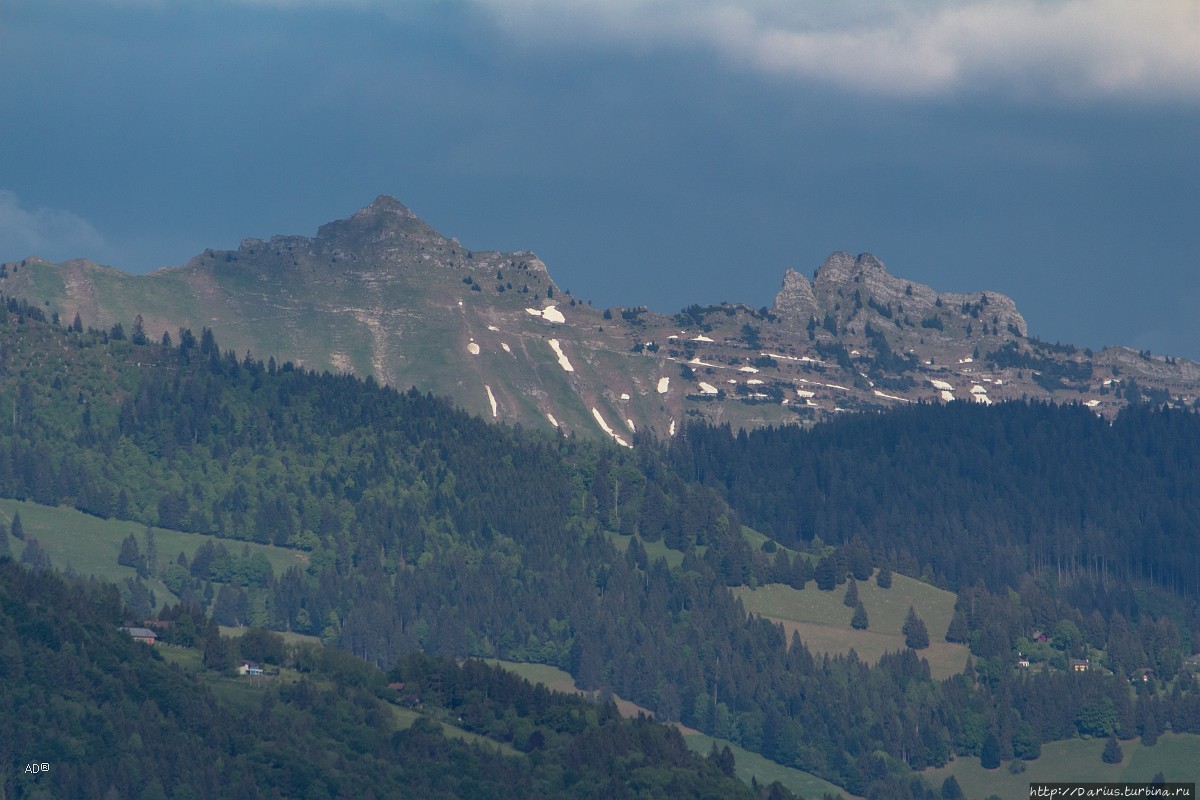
(650, 151)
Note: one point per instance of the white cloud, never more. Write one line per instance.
(50, 233)
(1077, 49)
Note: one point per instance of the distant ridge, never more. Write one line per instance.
(383, 293)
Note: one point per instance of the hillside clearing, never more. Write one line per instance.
(823, 621)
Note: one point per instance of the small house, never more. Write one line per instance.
(144, 635)
(1080, 664)
(1023, 661)
(250, 668)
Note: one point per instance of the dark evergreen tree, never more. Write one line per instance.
(989, 755)
(951, 790)
(17, 529)
(851, 597)
(859, 621)
(131, 555)
(138, 336)
(218, 652)
(826, 573)
(883, 578)
(916, 635)
(1112, 752)
(957, 631)
(35, 555)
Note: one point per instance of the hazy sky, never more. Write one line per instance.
(650, 151)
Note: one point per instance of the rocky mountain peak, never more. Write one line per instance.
(841, 268)
(382, 205)
(796, 297)
(382, 222)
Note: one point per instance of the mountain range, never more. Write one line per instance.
(382, 293)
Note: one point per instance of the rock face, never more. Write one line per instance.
(864, 279)
(382, 293)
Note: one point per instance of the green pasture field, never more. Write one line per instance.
(749, 764)
(89, 545)
(765, 771)
(1176, 756)
(822, 620)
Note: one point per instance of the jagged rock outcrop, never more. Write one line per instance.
(844, 278)
(796, 298)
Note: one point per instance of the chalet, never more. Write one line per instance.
(144, 635)
(1080, 664)
(250, 668)
(1022, 661)
(1145, 675)
(1039, 637)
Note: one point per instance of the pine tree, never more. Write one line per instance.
(951, 790)
(18, 531)
(851, 598)
(883, 578)
(859, 621)
(35, 556)
(916, 635)
(957, 631)
(1112, 752)
(989, 756)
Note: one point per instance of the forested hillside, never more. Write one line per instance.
(110, 718)
(430, 531)
(972, 496)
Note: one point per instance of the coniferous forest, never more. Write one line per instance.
(429, 534)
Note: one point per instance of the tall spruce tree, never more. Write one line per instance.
(916, 635)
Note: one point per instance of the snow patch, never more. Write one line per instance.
(967, 360)
(977, 389)
(754, 382)
(604, 427)
(552, 314)
(747, 369)
(629, 423)
(1092, 403)
(792, 358)
(507, 349)
(891, 396)
(562, 358)
(493, 328)
(945, 387)
(701, 338)
(550, 417)
(663, 383)
(707, 388)
(491, 399)
(473, 348)
(671, 431)
(982, 398)
(804, 393)
(624, 396)
(947, 396)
